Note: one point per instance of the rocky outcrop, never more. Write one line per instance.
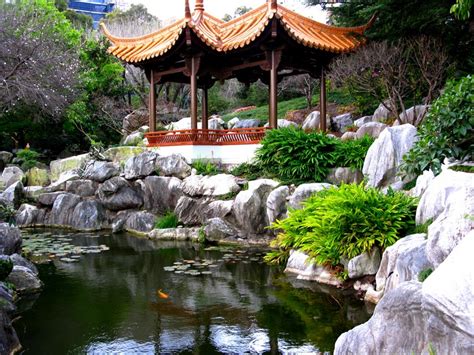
(250, 206)
(414, 115)
(120, 155)
(88, 215)
(63, 207)
(216, 122)
(385, 155)
(82, 187)
(338, 176)
(140, 221)
(422, 183)
(217, 230)
(133, 139)
(382, 113)
(58, 167)
(25, 280)
(10, 239)
(12, 175)
(434, 316)
(282, 123)
(175, 234)
(118, 194)
(30, 216)
(341, 122)
(301, 264)
(372, 129)
(304, 191)
(210, 185)
(312, 121)
(161, 194)
(37, 177)
(363, 120)
(402, 262)
(100, 171)
(141, 165)
(250, 123)
(364, 264)
(173, 165)
(6, 157)
(13, 194)
(276, 204)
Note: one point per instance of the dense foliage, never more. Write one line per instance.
(447, 132)
(294, 156)
(344, 222)
(168, 220)
(27, 158)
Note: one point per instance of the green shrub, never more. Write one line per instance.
(28, 158)
(249, 171)
(7, 214)
(447, 131)
(351, 153)
(6, 267)
(344, 222)
(294, 156)
(423, 275)
(169, 220)
(463, 168)
(205, 167)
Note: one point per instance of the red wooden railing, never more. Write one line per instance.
(206, 137)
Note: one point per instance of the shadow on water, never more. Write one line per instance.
(108, 303)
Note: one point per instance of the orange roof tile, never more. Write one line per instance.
(227, 36)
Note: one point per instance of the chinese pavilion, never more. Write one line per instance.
(267, 43)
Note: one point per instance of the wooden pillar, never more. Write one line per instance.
(152, 103)
(204, 109)
(273, 111)
(322, 101)
(194, 101)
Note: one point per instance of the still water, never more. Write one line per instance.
(108, 303)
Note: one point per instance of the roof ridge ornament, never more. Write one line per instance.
(272, 5)
(199, 5)
(187, 10)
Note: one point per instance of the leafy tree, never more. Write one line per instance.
(136, 14)
(38, 58)
(462, 9)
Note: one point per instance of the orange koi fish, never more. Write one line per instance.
(162, 294)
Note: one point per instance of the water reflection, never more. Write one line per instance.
(107, 303)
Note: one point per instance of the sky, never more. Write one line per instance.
(166, 9)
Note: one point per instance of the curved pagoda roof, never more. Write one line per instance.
(225, 37)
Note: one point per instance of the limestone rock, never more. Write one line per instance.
(120, 155)
(304, 191)
(48, 198)
(363, 120)
(58, 167)
(276, 204)
(100, 171)
(312, 121)
(192, 211)
(161, 194)
(436, 316)
(133, 139)
(25, 281)
(18, 260)
(6, 157)
(402, 262)
(10, 239)
(250, 206)
(210, 185)
(140, 222)
(37, 177)
(281, 123)
(83, 188)
(63, 207)
(216, 230)
(231, 123)
(364, 264)
(30, 216)
(182, 234)
(422, 183)
(88, 215)
(118, 194)
(9, 343)
(385, 155)
(216, 122)
(172, 165)
(382, 113)
(341, 122)
(349, 136)
(414, 115)
(338, 176)
(134, 120)
(300, 264)
(184, 123)
(249, 123)
(33, 192)
(60, 184)
(140, 165)
(373, 129)
(216, 209)
(11, 175)
(13, 194)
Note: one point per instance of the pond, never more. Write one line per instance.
(142, 296)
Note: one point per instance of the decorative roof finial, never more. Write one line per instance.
(199, 5)
(272, 5)
(187, 10)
